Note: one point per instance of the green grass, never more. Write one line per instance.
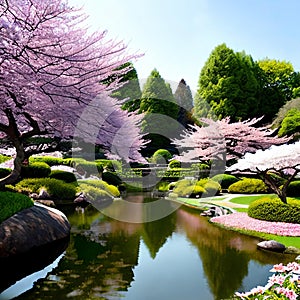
(285, 240)
(248, 199)
(11, 203)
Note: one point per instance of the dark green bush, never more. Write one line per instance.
(35, 170)
(174, 164)
(11, 203)
(225, 180)
(293, 190)
(111, 178)
(248, 186)
(4, 172)
(49, 160)
(63, 175)
(273, 209)
(161, 156)
(57, 189)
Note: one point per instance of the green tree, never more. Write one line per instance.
(227, 86)
(160, 109)
(131, 90)
(279, 83)
(184, 100)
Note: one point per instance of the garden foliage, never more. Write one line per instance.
(248, 186)
(270, 209)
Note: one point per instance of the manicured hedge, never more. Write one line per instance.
(36, 170)
(192, 188)
(248, 186)
(49, 160)
(225, 180)
(273, 209)
(174, 164)
(11, 203)
(63, 175)
(293, 190)
(57, 189)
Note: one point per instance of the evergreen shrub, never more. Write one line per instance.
(63, 175)
(248, 186)
(293, 190)
(225, 180)
(274, 210)
(35, 170)
(57, 189)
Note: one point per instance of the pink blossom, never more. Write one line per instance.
(277, 279)
(243, 221)
(279, 268)
(291, 295)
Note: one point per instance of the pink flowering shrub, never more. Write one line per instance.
(243, 221)
(284, 285)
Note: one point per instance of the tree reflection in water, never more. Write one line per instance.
(103, 255)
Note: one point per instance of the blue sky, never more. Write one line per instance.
(177, 37)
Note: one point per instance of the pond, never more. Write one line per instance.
(181, 256)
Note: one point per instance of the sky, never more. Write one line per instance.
(177, 37)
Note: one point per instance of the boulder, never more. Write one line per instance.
(43, 194)
(292, 250)
(271, 246)
(33, 227)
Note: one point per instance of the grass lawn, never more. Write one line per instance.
(248, 199)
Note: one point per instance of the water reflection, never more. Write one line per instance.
(180, 256)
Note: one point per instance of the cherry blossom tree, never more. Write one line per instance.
(51, 72)
(283, 160)
(224, 140)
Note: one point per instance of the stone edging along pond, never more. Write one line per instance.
(33, 227)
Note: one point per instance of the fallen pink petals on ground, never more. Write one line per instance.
(243, 221)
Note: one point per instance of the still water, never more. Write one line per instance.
(181, 256)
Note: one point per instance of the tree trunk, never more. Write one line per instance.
(15, 174)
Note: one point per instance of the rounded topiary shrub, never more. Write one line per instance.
(174, 164)
(273, 209)
(161, 156)
(248, 186)
(63, 175)
(225, 180)
(212, 188)
(293, 190)
(4, 172)
(36, 170)
(57, 189)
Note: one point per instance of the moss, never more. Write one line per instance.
(11, 203)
